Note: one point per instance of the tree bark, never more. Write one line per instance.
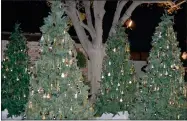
(96, 56)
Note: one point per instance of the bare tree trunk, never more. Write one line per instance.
(89, 70)
(96, 60)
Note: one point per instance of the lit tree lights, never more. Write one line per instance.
(14, 75)
(118, 85)
(57, 89)
(161, 92)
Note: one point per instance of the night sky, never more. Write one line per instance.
(31, 14)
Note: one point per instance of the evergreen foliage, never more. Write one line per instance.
(81, 60)
(15, 77)
(161, 92)
(57, 89)
(118, 84)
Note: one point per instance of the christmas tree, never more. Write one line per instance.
(57, 89)
(118, 85)
(161, 92)
(15, 77)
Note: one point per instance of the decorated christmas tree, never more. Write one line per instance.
(118, 85)
(57, 89)
(161, 92)
(15, 77)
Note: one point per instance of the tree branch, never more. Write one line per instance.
(129, 11)
(70, 10)
(99, 12)
(88, 15)
(85, 26)
(119, 8)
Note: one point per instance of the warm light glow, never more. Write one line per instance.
(184, 55)
(130, 23)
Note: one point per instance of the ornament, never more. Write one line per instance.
(17, 79)
(121, 100)
(167, 47)
(50, 48)
(166, 73)
(71, 109)
(40, 90)
(70, 53)
(30, 104)
(172, 66)
(116, 89)
(109, 74)
(130, 82)
(114, 49)
(177, 67)
(76, 96)
(62, 75)
(159, 35)
(71, 62)
(63, 60)
(43, 117)
(164, 66)
(51, 86)
(109, 63)
(42, 38)
(24, 95)
(152, 66)
(122, 92)
(32, 92)
(127, 49)
(48, 96)
(118, 84)
(158, 88)
(21, 50)
(44, 96)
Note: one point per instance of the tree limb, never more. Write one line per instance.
(85, 26)
(88, 15)
(129, 11)
(99, 12)
(70, 10)
(119, 8)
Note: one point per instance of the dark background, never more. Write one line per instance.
(31, 13)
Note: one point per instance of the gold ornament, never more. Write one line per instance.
(43, 117)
